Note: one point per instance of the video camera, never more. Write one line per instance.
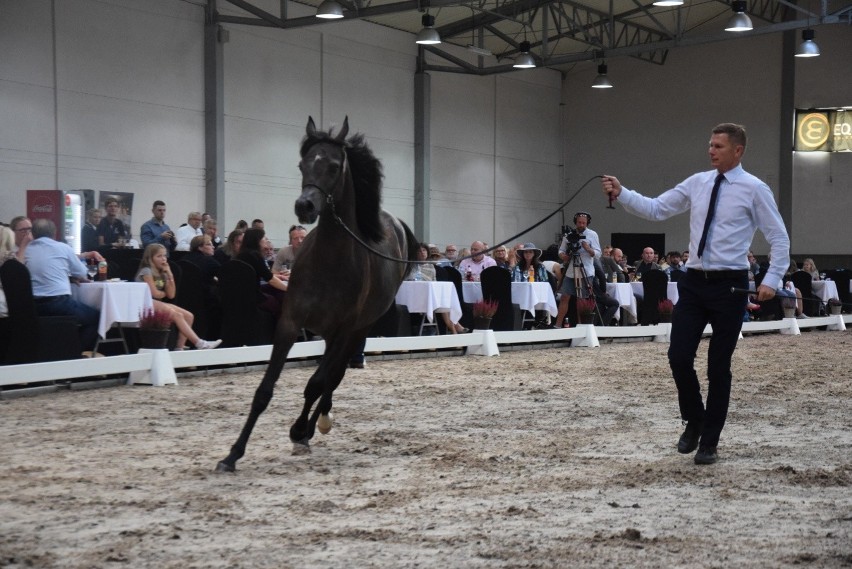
(573, 237)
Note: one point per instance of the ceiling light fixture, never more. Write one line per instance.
(524, 59)
(808, 47)
(602, 81)
(739, 22)
(428, 35)
(668, 3)
(330, 10)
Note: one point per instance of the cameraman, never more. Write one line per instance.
(585, 243)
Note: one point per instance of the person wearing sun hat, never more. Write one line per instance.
(529, 256)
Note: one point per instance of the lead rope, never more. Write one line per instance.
(330, 201)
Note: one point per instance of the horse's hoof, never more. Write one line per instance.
(225, 467)
(301, 449)
(324, 423)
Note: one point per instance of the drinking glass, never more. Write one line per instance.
(92, 270)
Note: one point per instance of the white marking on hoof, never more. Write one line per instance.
(300, 449)
(324, 423)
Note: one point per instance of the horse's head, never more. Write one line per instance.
(323, 166)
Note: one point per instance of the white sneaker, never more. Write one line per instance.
(205, 345)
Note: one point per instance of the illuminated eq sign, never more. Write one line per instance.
(823, 131)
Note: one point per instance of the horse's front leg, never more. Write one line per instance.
(321, 386)
(285, 337)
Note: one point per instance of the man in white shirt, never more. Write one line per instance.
(471, 268)
(722, 222)
(185, 233)
(585, 243)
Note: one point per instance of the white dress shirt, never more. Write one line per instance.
(744, 205)
(184, 235)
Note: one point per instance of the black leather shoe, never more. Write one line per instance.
(688, 441)
(706, 455)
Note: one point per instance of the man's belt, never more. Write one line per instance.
(718, 275)
(46, 299)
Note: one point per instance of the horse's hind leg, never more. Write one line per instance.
(321, 385)
(262, 396)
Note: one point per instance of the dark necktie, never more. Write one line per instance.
(710, 212)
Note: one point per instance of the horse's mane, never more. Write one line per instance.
(367, 176)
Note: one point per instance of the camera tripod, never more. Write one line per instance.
(582, 283)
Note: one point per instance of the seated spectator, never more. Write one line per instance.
(684, 256)
(451, 253)
(187, 232)
(257, 224)
(201, 255)
(528, 258)
(622, 275)
(231, 248)
(211, 228)
(674, 263)
(426, 272)
(89, 237)
(463, 254)
(791, 269)
(646, 263)
(753, 266)
(22, 227)
(286, 255)
(242, 225)
(610, 266)
(501, 257)
(111, 230)
(267, 251)
(7, 246)
(51, 265)
(607, 306)
(272, 284)
(472, 267)
(809, 267)
(154, 270)
(421, 271)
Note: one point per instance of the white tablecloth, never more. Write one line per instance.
(623, 293)
(118, 302)
(529, 296)
(428, 297)
(826, 289)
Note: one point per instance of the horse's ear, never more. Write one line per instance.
(311, 128)
(344, 130)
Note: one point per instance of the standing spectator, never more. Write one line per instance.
(23, 229)
(89, 238)
(51, 264)
(722, 223)
(286, 255)
(111, 228)
(257, 224)
(478, 261)
(186, 233)
(154, 270)
(156, 230)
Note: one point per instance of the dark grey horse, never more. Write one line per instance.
(338, 288)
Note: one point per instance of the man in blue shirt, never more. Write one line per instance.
(51, 264)
(722, 222)
(155, 230)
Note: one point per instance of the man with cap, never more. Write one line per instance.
(587, 248)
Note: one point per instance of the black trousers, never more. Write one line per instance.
(705, 301)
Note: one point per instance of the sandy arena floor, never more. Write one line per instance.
(542, 458)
